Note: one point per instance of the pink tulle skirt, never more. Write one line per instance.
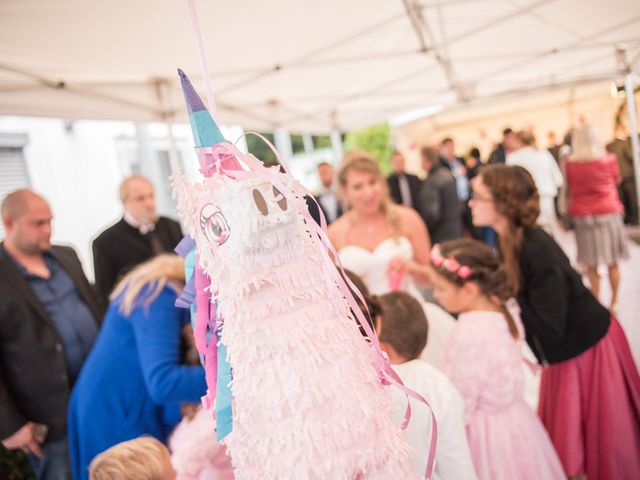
(590, 406)
(195, 452)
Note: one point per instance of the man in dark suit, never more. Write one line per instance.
(139, 235)
(49, 316)
(327, 197)
(621, 148)
(499, 155)
(438, 202)
(403, 187)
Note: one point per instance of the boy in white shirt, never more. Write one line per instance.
(402, 330)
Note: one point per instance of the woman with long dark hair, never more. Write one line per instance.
(590, 389)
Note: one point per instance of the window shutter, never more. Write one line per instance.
(13, 173)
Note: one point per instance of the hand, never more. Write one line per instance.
(25, 439)
(407, 267)
(419, 273)
(399, 264)
(189, 410)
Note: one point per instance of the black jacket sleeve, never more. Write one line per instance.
(12, 418)
(72, 262)
(429, 204)
(314, 208)
(394, 188)
(104, 268)
(414, 186)
(545, 297)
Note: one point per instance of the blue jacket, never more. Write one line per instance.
(132, 382)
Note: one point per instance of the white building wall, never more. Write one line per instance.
(78, 166)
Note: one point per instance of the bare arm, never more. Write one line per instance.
(418, 235)
(416, 231)
(337, 232)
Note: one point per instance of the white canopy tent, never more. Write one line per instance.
(302, 65)
(308, 67)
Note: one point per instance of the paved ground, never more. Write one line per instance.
(629, 297)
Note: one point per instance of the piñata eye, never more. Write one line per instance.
(260, 202)
(213, 224)
(280, 199)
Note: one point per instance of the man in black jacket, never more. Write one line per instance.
(621, 148)
(438, 202)
(403, 187)
(327, 196)
(139, 235)
(49, 316)
(499, 155)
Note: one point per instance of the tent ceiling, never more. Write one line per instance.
(303, 65)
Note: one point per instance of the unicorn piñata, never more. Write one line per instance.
(298, 391)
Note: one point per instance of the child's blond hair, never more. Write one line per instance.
(144, 458)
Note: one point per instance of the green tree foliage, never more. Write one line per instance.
(297, 143)
(321, 141)
(376, 140)
(261, 150)
(14, 466)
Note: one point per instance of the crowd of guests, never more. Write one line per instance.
(123, 363)
(581, 185)
(566, 327)
(460, 273)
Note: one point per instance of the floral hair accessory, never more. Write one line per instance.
(464, 271)
(449, 263)
(436, 256)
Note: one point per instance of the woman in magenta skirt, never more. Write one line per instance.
(590, 388)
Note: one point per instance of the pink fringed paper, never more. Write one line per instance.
(307, 398)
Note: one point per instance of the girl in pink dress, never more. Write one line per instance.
(195, 452)
(483, 359)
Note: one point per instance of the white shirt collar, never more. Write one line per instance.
(143, 228)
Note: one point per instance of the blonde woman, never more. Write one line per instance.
(383, 243)
(132, 382)
(596, 209)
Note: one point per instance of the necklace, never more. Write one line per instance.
(369, 226)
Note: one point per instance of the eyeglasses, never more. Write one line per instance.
(476, 198)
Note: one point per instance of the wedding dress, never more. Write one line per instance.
(372, 267)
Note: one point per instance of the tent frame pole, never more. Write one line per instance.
(633, 128)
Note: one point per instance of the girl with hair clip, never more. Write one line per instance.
(590, 389)
(483, 359)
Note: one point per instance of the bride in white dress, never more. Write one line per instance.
(381, 241)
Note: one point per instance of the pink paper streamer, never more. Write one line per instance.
(203, 317)
(203, 60)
